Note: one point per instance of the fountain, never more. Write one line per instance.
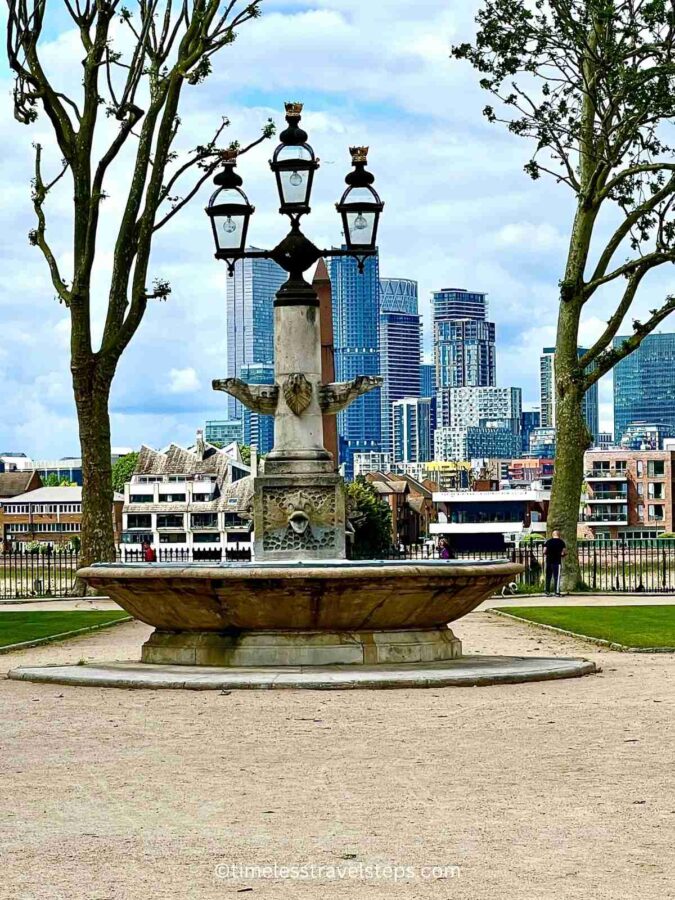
(301, 614)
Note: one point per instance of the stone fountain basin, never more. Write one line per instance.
(331, 596)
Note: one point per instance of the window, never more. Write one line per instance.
(640, 468)
(239, 537)
(641, 512)
(171, 520)
(172, 538)
(204, 520)
(657, 490)
(208, 537)
(141, 498)
(656, 468)
(139, 521)
(233, 519)
(656, 511)
(620, 465)
(172, 498)
(201, 498)
(640, 489)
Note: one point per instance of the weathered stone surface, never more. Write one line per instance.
(332, 596)
(298, 518)
(467, 671)
(300, 648)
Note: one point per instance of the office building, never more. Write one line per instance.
(224, 431)
(250, 318)
(356, 314)
(548, 394)
(400, 345)
(645, 436)
(412, 430)
(644, 384)
(529, 420)
(475, 442)
(258, 429)
(542, 443)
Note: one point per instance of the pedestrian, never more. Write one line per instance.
(554, 551)
(443, 549)
(149, 554)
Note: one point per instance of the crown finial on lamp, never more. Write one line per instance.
(359, 154)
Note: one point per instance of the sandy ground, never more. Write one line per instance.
(551, 790)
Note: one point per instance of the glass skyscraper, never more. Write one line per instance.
(548, 396)
(258, 428)
(400, 344)
(427, 379)
(356, 314)
(412, 430)
(250, 318)
(464, 344)
(644, 384)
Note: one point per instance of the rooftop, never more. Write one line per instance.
(54, 495)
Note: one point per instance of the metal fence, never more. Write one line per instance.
(633, 566)
(606, 566)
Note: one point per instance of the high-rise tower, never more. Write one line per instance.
(400, 341)
(356, 312)
(250, 318)
(464, 344)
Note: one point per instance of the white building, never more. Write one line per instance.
(472, 407)
(195, 500)
(373, 461)
(489, 518)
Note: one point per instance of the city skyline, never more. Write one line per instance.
(478, 220)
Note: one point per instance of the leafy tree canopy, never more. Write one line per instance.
(371, 519)
(122, 470)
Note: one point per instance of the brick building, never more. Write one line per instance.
(627, 494)
(410, 502)
(50, 515)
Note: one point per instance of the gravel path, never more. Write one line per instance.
(536, 791)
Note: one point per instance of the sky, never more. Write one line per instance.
(460, 212)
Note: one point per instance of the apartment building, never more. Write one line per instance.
(196, 499)
(627, 494)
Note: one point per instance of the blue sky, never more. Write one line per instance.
(459, 212)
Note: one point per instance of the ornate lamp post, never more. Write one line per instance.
(299, 501)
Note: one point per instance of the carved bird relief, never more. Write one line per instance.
(333, 398)
(261, 398)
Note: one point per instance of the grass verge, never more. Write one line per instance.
(26, 627)
(643, 627)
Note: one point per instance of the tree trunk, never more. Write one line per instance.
(92, 392)
(572, 441)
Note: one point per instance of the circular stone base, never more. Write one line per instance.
(300, 648)
(466, 671)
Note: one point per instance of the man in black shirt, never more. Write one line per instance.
(554, 550)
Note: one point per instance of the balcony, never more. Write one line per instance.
(606, 475)
(607, 497)
(605, 518)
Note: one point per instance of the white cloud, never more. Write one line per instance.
(183, 381)
(459, 211)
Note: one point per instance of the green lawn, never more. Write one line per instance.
(17, 627)
(632, 626)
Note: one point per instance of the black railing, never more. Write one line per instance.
(628, 566)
